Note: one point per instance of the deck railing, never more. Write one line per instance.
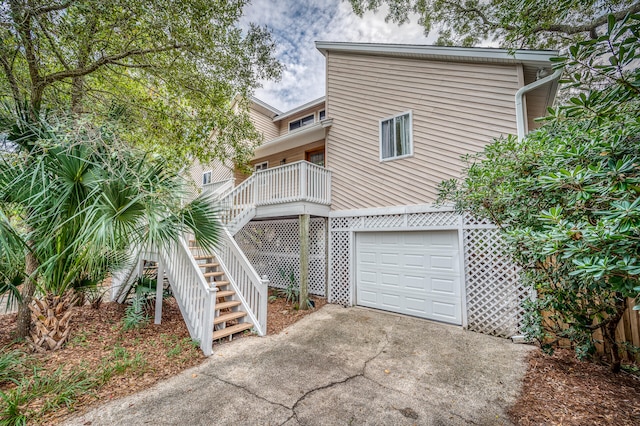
(220, 188)
(296, 182)
(250, 289)
(195, 296)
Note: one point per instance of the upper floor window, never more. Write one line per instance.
(206, 178)
(262, 166)
(321, 115)
(296, 124)
(396, 139)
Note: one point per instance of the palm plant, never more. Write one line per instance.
(83, 198)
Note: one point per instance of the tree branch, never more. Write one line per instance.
(112, 59)
(589, 27)
(52, 8)
(13, 83)
(54, 48)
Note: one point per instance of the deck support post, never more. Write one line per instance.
(159, 291)
(304, 260)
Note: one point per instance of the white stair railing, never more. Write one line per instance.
(123, 279)
(251, 290)
(195, 296)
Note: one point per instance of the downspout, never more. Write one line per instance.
(520, 115)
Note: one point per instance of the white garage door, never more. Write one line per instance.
(414, 273)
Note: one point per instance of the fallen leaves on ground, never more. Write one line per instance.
(560, 390)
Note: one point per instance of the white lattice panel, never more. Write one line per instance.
(343, 222)
(494, 295)
(470, 221)
(432, 219)
(273, 248)
(339, 273)
(386, 221)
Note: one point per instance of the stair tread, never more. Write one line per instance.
(213, 274)
(228, 331)
(220, 283)
(228, 317)
(225, 293)
(208, 265)
(203, 256)
(229, 304)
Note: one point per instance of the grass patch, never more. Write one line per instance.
(12, 365)
(31, 392)
(42, 392)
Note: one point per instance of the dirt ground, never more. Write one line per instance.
(560, 390)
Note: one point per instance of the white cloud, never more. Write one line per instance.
(296, 25)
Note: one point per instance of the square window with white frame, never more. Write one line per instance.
(262, 166)
(396, 136)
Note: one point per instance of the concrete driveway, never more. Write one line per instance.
(338, 366)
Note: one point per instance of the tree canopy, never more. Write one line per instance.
(168, 71)
(514, 23)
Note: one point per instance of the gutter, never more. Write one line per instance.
(520, 114)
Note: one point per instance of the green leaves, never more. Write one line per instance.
(168, 71)
(82, 197)
(567, 196)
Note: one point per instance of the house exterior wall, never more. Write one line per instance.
(457, 108)
(219, 172)
(264, 124)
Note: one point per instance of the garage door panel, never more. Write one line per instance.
(387, 238)
(390, 300)
(367, 297)
(389, 259)
(445, 286)
(445, 263)
(415, 283)
(417, 306)
(414, 260)
(415, 273)
(445, 311)
(390, 279)
(368, 279)
(442, 239)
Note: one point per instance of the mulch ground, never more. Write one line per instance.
(560, 390)
(161, 350)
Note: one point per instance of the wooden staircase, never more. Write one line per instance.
(229, 318)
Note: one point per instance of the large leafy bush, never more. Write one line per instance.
(567, 197)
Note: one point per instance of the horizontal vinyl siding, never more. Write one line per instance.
(264, 125)
(219, 171)
(457, 108)
(536, 101)
(291, 156)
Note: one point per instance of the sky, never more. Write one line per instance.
(297, 24)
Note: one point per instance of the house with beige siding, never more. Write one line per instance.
(343, 187)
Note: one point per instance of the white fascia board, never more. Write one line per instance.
(315, 102)
(294, 139)
(273, 111)
(470, 53)
(376, 211)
